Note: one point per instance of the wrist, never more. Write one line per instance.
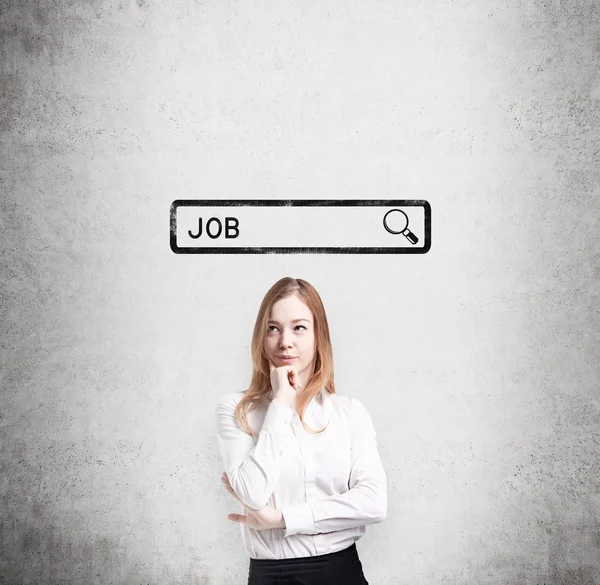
(281, 522)
(282, 402)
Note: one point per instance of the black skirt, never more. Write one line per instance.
(343, 566)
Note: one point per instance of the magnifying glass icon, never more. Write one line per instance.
(395, 221)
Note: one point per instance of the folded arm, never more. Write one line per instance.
(253, 470)
(364, 503)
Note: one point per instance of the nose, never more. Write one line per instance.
(285, 340)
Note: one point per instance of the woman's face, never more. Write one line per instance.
(291, 332)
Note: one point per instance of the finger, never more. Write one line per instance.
(297, 379)
(228, 487)
(225, 482)
(272, 366)
(230, 490)
(238, 518)
(293, 378)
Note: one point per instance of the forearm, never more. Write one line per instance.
(365, 503)
(254, 480)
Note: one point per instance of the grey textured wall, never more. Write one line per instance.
(479, 361)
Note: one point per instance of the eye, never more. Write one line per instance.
(271, 327)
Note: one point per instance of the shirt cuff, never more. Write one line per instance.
(298, 519)
(278, 419)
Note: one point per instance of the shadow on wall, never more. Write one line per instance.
(569, 546)
(34, 551)
(44, 554)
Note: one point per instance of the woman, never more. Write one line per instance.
(307, 494)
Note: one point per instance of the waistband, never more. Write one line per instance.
(351, 550)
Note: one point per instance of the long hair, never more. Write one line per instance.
(322, 376)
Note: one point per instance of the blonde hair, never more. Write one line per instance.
(322, 376)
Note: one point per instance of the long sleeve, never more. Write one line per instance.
(364, 503)
(253, 469)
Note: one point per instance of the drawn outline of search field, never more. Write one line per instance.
(329, 226)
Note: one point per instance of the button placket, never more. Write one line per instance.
(310, 490)
(314, 442)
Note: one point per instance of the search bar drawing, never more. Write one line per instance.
(334, 226)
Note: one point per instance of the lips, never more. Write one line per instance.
(286, 357)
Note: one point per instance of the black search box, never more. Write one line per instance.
(346, 226)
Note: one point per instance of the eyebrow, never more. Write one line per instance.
(294, 321)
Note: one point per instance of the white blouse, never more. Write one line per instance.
(328, 486)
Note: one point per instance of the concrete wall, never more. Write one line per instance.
(477, 361)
